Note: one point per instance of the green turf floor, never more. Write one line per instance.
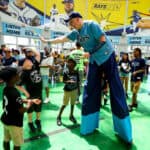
(67, 137)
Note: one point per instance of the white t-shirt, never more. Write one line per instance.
(24, 15)
(54, 11)
(46, 62)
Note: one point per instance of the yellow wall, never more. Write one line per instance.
(39, 4)
(111, 12)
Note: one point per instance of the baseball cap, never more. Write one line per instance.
(73, 15)
(28, 49)
(68, 1)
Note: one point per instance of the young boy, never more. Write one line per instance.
(13, 109)
(71, 87)
(32, 81)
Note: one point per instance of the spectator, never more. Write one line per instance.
(13, 109)
(137, 73)
(71, 80)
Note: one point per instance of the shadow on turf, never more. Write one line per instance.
(50, 106)
(100, 140)
(141, 109)
(40, 141)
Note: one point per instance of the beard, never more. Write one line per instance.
(69, 10)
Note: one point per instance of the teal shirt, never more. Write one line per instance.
(88, 36)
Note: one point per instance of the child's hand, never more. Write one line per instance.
(28, 104)
(36, 101)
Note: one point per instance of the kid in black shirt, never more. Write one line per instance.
(32, 81)
(71, 87)
(13, 109)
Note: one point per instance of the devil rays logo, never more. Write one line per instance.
(35, 77)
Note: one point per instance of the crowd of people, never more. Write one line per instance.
(36, 75)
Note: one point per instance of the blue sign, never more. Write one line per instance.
(132, 40)
(14, 30)
(139, 40)
(55, 34)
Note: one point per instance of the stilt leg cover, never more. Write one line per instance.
(123, 128)
(89, 123)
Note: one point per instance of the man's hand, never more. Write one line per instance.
(43, 39)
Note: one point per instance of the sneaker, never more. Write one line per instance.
(73, 119)
(59, 123)
(46, 100)
(77, 102)
(38, 124)
(130, 108)
(31, 126)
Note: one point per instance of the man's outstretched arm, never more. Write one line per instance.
(61, 39)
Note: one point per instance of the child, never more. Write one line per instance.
(32, 81)
(125, 67)
(45, 66)
(137, 73)
(71, 87)
(13, 109)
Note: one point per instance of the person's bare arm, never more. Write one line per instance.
(143, 23)
(102, 39)
(23, 90)
(61, 39)
(36, 54)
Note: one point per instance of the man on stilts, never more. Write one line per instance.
(102, 60)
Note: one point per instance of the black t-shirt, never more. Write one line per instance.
(12, 102)
(125, 66)
(137, 64)
(73, 76)
(1, 52)
(21, 61)
(8, 61)
(32, 81)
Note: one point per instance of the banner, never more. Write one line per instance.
(14, 30)
(117, 16)
(114, 16)
(138, 40)
(28, 32)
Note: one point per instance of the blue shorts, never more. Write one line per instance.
(45, 79)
